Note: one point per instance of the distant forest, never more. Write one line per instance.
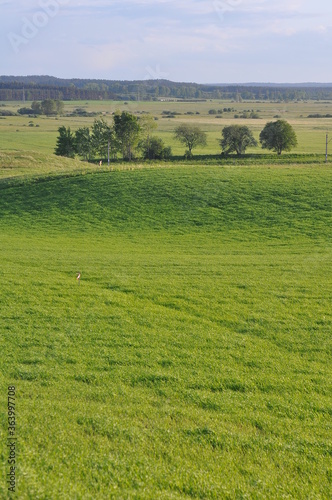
(38, 88)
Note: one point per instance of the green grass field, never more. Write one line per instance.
(39, 134)
(194, 358)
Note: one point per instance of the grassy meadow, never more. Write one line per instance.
(39, 134)
(193, 360)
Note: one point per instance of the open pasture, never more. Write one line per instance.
(39, 134)
(194, 358)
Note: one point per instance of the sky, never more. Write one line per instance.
(202, 41)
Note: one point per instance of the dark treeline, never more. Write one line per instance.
(46, 87)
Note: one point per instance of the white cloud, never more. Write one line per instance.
(181, 37)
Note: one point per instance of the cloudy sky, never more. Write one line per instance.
(204, 41)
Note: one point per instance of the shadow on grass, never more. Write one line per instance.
(222, 159)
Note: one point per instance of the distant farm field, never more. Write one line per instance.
(193, 360)
(39, 133)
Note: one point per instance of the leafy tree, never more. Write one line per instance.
(59, 106)
(48, 107)
(155, 149)
(83, 143)
(237, 138)
(148, 125)
(103, 138)
(191, 136)
(278, 136)
(51, 107)
(127, 130)
(65, 145)
(36, 108)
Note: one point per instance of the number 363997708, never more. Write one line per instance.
(11, 408)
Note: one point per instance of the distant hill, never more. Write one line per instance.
(39, 87)
(279, 85)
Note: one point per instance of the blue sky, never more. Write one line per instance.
(204, 41)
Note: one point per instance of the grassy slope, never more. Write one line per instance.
(26, 164)
(193, 361)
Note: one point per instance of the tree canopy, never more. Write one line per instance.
(154, 148)
(278, 136)
(65, 145)
(236, 138)
(102, 137)
(42, 87)
(48, 107)
(126, 129)
(191, 136)
(83, 143)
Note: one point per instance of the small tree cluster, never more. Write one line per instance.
(127, 135)
(48, 107)
(277, 136)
